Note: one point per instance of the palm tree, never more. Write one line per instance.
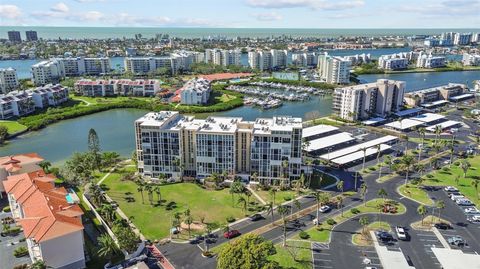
(39, 264)
(382, 193)
(406, 145)
(378, 147)
(283, 211)
(364, 221)
(457, 179)
(243, 202)
(407, 161)
(309, 164)
(270, 207)
(45, 165)
(465, 165)
(297, 204)
(388, 161)
(108, 247)
(177, 216)
(340, 203)
(363, 192)
(156, 189)
(421, 131)
(149, 189)
(364, 156)
(438, 132)
(475, 183)
(285, 166)
(140, 188)
(422, 210)
(440, 205)
(273, 192)
(188, 219)
(108, 211)
(317, 196)
(340, 186)
(248, 194)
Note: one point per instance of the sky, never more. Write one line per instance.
(244, 13)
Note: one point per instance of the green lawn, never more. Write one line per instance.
(447, 178)
(154, 221)
(297, 254)
(415, 193)
(107, 100)
(13, 126)
(322, 232)
(280, 196)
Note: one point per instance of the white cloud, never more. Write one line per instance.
(60, 7)
(449, 8)
(11, 12)
(312, 4)
(269, 16)
(89, 16)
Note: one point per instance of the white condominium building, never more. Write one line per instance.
(363, 101)
(471, 59)
(196, 92)
(223, 57)
(176, 62)
(429, 61)
(462, 38)
(86, 66)
(112, 87)
(16, 104)
(305, 59)
(267, 60)
(358, 59)
(396, 61)
(8, 80)
(335, 70)
(48, 95)
(171, 144)
(50, 71)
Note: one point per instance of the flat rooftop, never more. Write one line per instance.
(428, 117)
(462, 96)
(456, 259)
(404, 124)
(443, 125)
(407, 112)
(329, 141)
(355, 148)
(317, 129)
(373, 121)
(436, 103)
(359, 155)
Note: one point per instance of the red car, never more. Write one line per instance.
(231, 234)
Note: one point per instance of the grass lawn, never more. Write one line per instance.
(154, 220)
(415, 193)
(106, 100)
(297, 254)
(428, 222)
(322, 232)
(13, 126)
(226, 97)
(327, 180)
(280, 196)
(447, 178)
(365, 240)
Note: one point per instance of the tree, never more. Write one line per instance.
(388, 161)
(283, 211)
(475, 183)
(247, 252)
(188, 219)
(422, 211)
(339, 200)
(3, 133)
(140, 189)
(127, 239)
(317, 196)
(157, 190)
(440, 205)
(108, 212)
(236, 188)
(363, 192)
(39, 264)
(340, 186)
(176, 222)
(465, 165)
(45, 165)
(108, 247)
(109, 158)
(382, 193)
(243, 202)
(273, 192)
(407, 161)
(364, 221)
(78, 169)
(270, 207)
(94, 147)
(149, 188)
(134, 157)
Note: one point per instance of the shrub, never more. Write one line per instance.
(331, 222)
(429, 176)
(21, 266)
(354, 210)
(287, 198)
(304, 235)
(319, 228)
(20, 251)
(445, 169)
(6, 209)
(230, 219)
(371, 168)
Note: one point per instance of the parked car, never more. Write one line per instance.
(456, 241)
(464, 202)
(401, 233)
(443, 226)
(472, 210)
(384, 236)
(324, 209)
(231, 234)
(450, 189)
(474, 219)
(455, 197)
(255, 217)
(446, 162)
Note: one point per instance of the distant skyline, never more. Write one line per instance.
(243, 13)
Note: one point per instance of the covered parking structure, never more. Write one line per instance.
(404, 125)
(408, 112)
(318, 131)
(456, 258)
(359, 155)
(444, 125)
(389, 139)
(373, 121)
(329, 142)
(461, 97)
(435, 104)
(429, 118)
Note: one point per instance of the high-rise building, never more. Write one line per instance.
(196, 92)
(471, 59)
(334, 69)
(123, 87)
(50, 71)
(14, 36)
(8, 80)
(173, 145)
(31, 35)
(223, 57)
(174, 63)
(462, 38)
(363, 101)
(267, 59)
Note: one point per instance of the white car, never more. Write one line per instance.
(471, 210)
(446, 162)
(455, 197)
(324, 209)
(450, 189)
(464, 202)
(474, 219)
(401, 234)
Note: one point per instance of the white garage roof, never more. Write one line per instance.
(328, 141)
(456, 258)
(404, 124)
(443, 125)
(428, 117)
(359, 155)
(317, 129)
(355, 148)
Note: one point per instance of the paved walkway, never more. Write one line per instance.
(256, 195)
(440, 237)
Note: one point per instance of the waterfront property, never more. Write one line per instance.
(396, 61)
(267, 59)
(123, 87)
(16, 104)
(49, 71)
(471, 59)
(440, 95)
(222, 57)
(18, 164)
(48, 95)
(335, 70)
(196, 92)
(363, 101)
(430, 61)
(174, 145)
(174, 63)
(8, 80)
(52, 225)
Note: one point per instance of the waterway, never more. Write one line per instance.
(115, 127)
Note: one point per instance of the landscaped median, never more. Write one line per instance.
(362, 238)
(415, 193)
(322, 232)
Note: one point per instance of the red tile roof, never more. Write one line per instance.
(14, 163)
(47, 214)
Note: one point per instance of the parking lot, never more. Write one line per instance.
(8, 244)
(321, 255)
